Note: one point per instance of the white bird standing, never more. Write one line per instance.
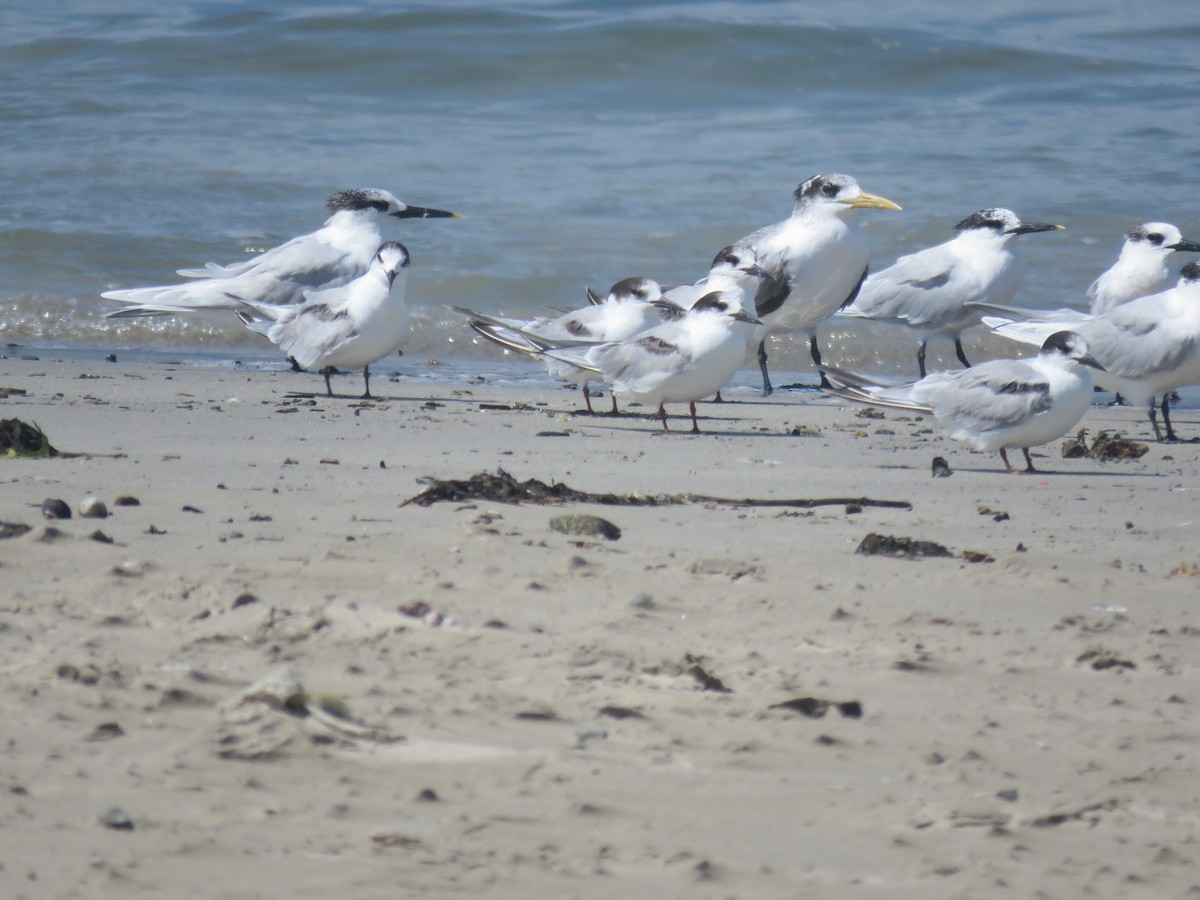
(734, 271)
(335, 254)
(1141, 269)
(354, 324)
(1000, 404)
(928, 291)
(627, 310)
(817, 259)
(677, 362)
(1148, 347)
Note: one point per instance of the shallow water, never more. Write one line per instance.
(583, 141)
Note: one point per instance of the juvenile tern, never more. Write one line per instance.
(817, 258)
(928, 291)
(1148, 347)
(335, 254)
(680, 361)
(350, 325)
(627, 310)
(995, 405)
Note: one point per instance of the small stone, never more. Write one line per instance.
(244, 600)
(106, 731)
(941, 468)
(642, 601)
(116, 819)
(126, 500)
(585, 525)
(53, 508)
(428, 795)
(91, 508)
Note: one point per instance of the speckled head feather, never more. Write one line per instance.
(635, 288)
(1147, 234)
(996, 219)
(1190, 272)
(359, 199)
(826, 187)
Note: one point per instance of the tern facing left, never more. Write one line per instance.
(817, 259)
(928, 291)
(677, 362)
(1000, 404)
(338, 252)
(352, 325)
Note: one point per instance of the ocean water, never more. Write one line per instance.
(583, 141)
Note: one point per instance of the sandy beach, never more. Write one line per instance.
(271, 678)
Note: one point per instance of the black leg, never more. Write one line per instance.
(1028, 459)
(921, 366)
(1166, 411)
(695, 424)
(815, 351)
(662, 414)
(1154, 421)
(958, 351)
(367, 383)
(325, 372)
(762, 365)
(587, 398)
(614, 403)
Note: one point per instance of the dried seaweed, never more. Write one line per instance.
(502, 487)
(19, 440)
(1106, 446)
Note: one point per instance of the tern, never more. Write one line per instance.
(1141, 269)
(1148, 347)
(627, 310)
(353, 324)
(928, 291)
(680, 361)
(817, 259)
(1000, 404)
(335, 254)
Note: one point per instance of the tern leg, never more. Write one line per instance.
(921, 363)
(718, 398)
(1154, 421)
(1166, 411)
(367, 383)
(587, 398)
(695, 425)
(958, 351)
(815, 351)
(615, 411)
(326, 372)
(662, 414)
(762, 365)
(1028, 460)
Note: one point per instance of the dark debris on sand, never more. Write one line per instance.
(20, 439)
(502, 487)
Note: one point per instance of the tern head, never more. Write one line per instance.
(1159, 236)
(391, 258)
(1069, 345)
(1003, 222)
(837, 193)
(739, 260)
(635, 290)
(716, 304)
(374, 200)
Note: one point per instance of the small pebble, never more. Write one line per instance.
(642, 601)
(91, 508)
(53, 508)
(116, 819)
(941, 468)
(127, 501)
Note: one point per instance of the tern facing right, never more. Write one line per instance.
(681, 361)
(817, 259)
(336, 253)
(1148, 347)
(928, 291)
(1141, 269)
(1000, 404)
(351, 325)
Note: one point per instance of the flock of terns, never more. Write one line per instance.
(335, 297)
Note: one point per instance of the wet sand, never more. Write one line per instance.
(270, 678)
